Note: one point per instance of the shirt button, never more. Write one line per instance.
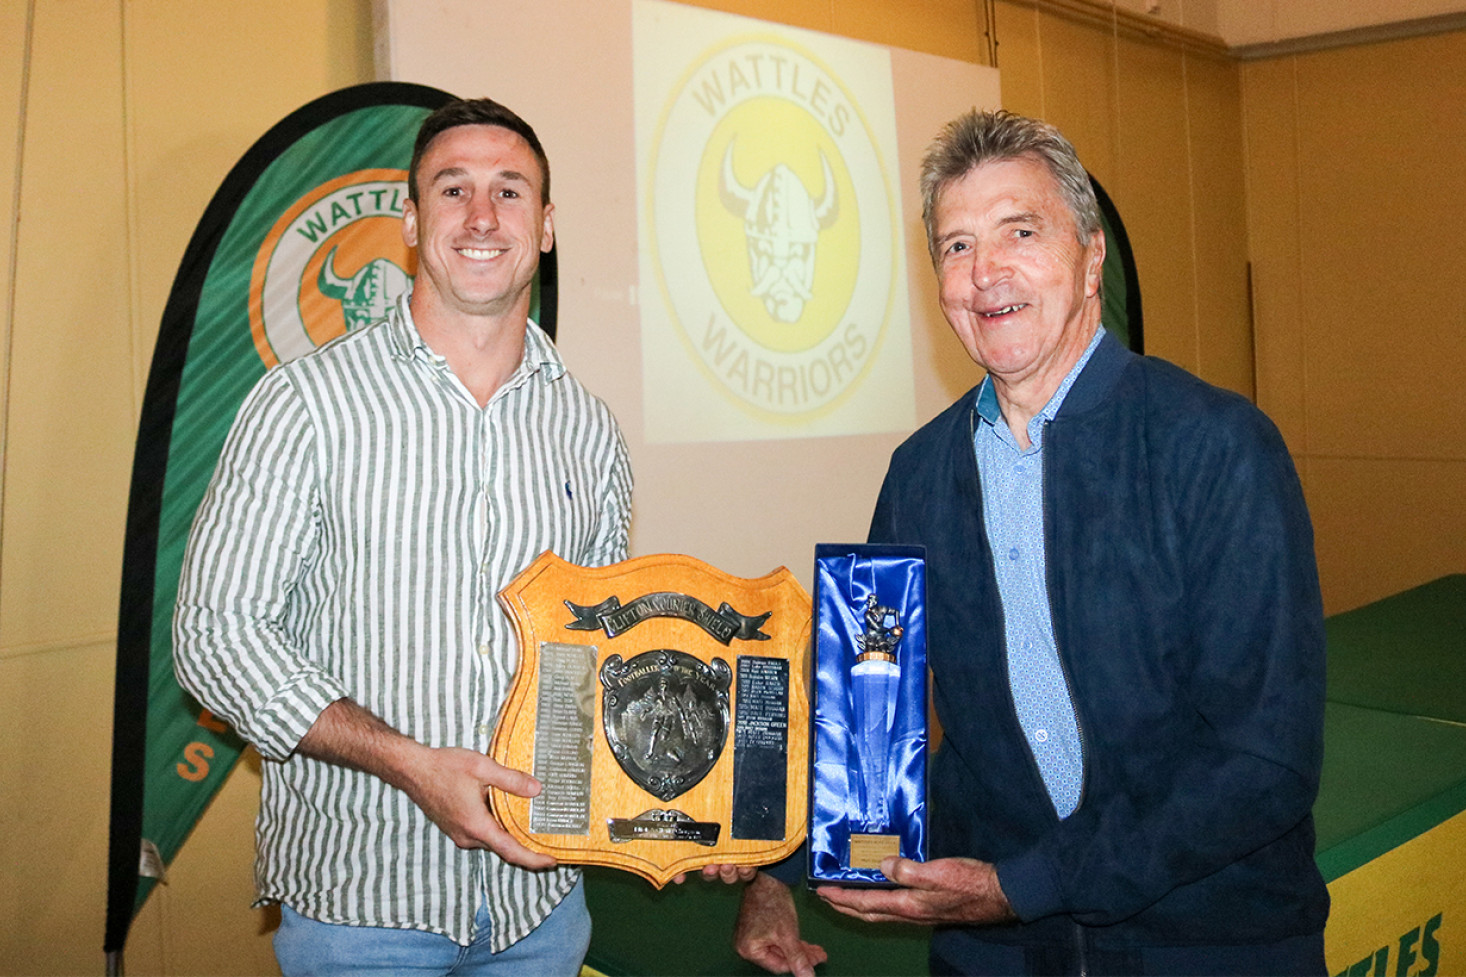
(1013, 553)
(1042, 735)
(483, 729)
(484, 649)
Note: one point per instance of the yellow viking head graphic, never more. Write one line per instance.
(782, 223)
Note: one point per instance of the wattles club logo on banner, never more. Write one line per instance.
(773, 280)
(334, 261)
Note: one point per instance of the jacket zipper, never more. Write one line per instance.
(1058, 648)
(1080, 952)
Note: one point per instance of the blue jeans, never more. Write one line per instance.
(555, 948)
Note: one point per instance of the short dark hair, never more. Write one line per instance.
(975, 138)
(475, 112)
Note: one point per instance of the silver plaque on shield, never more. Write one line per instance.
(665, 714)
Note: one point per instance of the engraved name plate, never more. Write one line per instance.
(761, 748)
(564, 738)
(660, 825)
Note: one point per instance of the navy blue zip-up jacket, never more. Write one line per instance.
(1186, 611)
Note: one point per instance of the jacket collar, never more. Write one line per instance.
(1093, 385)
(1090, 389)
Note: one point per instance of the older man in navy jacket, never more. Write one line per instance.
(1126, 635)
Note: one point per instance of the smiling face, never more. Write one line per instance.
(479, 224)
(1017, 286)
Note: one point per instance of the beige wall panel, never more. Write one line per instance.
(1383, 158)
(198, 99)
(347, 38)
(1020, 59)
(948, 28)
(1149, 184)
(12, 72)
(70, 429)
(201, 922)
(54, 807)
(1382, 526)
(1214, 121)
(1270, 127)
(1079, 89)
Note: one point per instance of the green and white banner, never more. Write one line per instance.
(300, 244)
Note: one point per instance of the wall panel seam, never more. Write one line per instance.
(1196, 325)
(105, 639)
(130, 231)
(1038, 46)
(1300, 320)
(1117, 138)
(8, 359)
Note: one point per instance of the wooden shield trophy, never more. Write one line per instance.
(663, 705)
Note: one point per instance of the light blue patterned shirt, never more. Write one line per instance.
(1012, 501)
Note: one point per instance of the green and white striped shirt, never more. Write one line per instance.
(364, 514)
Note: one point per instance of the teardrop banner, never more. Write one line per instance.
(300, 244)
(663, 706)
(1122, 314)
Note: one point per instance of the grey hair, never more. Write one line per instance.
(975, 138)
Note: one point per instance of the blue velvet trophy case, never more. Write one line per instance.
(867, 781)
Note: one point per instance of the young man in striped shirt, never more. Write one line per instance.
(337, 602)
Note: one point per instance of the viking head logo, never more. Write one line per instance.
(366, 296)
(782, 223)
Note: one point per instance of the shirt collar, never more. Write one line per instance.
(406, 340)
(987, 397)
(540, 355)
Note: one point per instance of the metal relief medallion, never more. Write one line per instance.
(666, 718)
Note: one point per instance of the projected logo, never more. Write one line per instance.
(334, 261)
(773, 231)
